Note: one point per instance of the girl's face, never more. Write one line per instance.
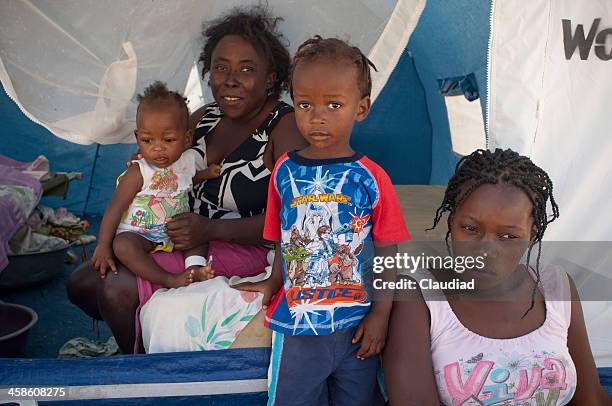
(239, 78)
(496, 223)
(327, 103)
(161, 133)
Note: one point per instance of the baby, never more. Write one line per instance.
(152, 190)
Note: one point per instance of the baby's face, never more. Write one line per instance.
(327, 103)
(162, 134)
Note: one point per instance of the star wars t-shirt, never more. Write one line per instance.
(328, 215)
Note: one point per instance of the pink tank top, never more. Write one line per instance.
(533, 369)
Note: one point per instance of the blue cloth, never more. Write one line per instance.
(322, 370)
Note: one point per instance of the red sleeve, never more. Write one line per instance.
(388, 225)
(272, 226)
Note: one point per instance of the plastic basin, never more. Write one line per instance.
(15, 324)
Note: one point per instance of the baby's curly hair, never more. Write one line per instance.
(158, 91)
(336, 50)
(259, 28)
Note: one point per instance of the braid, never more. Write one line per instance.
(499, 167)
(336, 50)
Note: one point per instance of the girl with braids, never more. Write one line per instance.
(519, 337)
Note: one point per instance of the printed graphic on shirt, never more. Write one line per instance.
(322, 255)
(325, 215)
(541, 378)
(164, 180)
(152, 212)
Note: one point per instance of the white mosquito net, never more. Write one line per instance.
(75, 66)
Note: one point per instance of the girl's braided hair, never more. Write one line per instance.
(502, 167)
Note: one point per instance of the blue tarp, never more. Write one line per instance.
(239, 366)
(235, 366)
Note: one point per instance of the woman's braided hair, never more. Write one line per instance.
(502, 167)
(336, 50)
(259, 28)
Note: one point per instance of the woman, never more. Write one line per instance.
(245, 130)
(518, 337)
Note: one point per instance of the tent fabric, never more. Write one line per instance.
(549, 85)
(80, 77)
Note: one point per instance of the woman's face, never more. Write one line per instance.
(494, 222)
(239, 77)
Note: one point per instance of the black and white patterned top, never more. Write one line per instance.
(242, 188)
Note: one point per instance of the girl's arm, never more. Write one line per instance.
(407, 364)
(588, 389)
(129, 185)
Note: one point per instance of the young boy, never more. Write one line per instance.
(330, 210)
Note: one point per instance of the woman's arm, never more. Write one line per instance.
(189, 230)
(588, 389)
(129, 185)
(407, 363)
(285, 137)
(195, 117)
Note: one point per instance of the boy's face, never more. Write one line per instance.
(161, 133)
(327, 103)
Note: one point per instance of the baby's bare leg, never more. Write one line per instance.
(133, 250)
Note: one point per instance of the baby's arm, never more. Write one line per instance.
(129, 185)
(372, 331)
(213, 171)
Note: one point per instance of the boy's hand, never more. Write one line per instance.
(372, 331)
(103, 259)
(268, 287)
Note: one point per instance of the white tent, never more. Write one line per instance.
(74, 66)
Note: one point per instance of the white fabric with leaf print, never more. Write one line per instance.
(202, 316)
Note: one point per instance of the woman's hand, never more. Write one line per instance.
(188, 230)
(268, 287)
(135, 157)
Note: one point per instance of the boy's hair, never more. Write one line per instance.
(159, 92)
(259, 28)
(336, 50)
(502, 167)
